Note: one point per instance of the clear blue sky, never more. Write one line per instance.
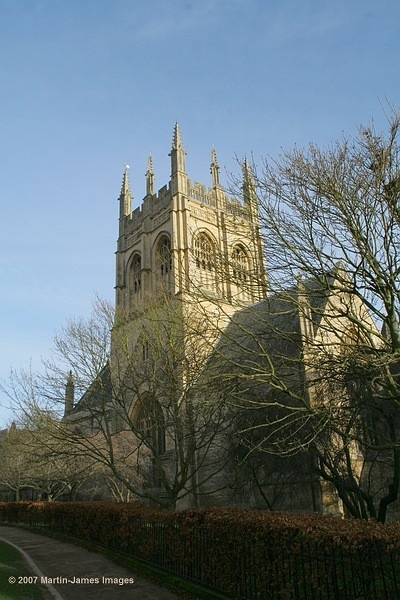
(87, 86)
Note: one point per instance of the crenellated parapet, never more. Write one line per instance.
(195, 192)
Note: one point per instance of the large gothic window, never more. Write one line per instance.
(150, 423)
(240, 273)
(135, 274)
(205, 257)
(164, 257)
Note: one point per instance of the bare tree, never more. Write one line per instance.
(315, 367)
(140, 415)
(30, 471)
(15, 475)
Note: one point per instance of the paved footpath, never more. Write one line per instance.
(62, 565)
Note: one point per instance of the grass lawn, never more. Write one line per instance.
(13, 565)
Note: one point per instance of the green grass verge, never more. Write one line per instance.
(181, 586)
(13, 565)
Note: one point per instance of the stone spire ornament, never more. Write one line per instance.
(177, 154)
(125, 197)
(150, 177)
(214, 168)
(69, 394)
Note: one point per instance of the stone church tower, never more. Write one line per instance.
(193, 247)
(189, 238)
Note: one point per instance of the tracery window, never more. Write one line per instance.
(164, 257)
(151, 424)
(240, 272)
(205, 257)
(240, 265)
(204, 252)
(135, 273)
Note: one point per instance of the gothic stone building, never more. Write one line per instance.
(195, 244)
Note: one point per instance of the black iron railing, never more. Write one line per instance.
(251, 568)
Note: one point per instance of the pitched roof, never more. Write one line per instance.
(98, 393)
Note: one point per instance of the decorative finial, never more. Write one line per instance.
(177, 153)
(69, 394)
(150, 178)
(177, 140)
(150, 165)
(214, 168)
(249, 189)
(125, 181)
(125, 197)
(248, 174)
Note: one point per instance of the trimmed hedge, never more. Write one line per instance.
(246, 554)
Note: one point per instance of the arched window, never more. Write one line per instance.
(164, 257)
(204, 252)
(205, 257)
(240, 265)
(135, 274)
(240, 272)
(150, 424)
(135, 279)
